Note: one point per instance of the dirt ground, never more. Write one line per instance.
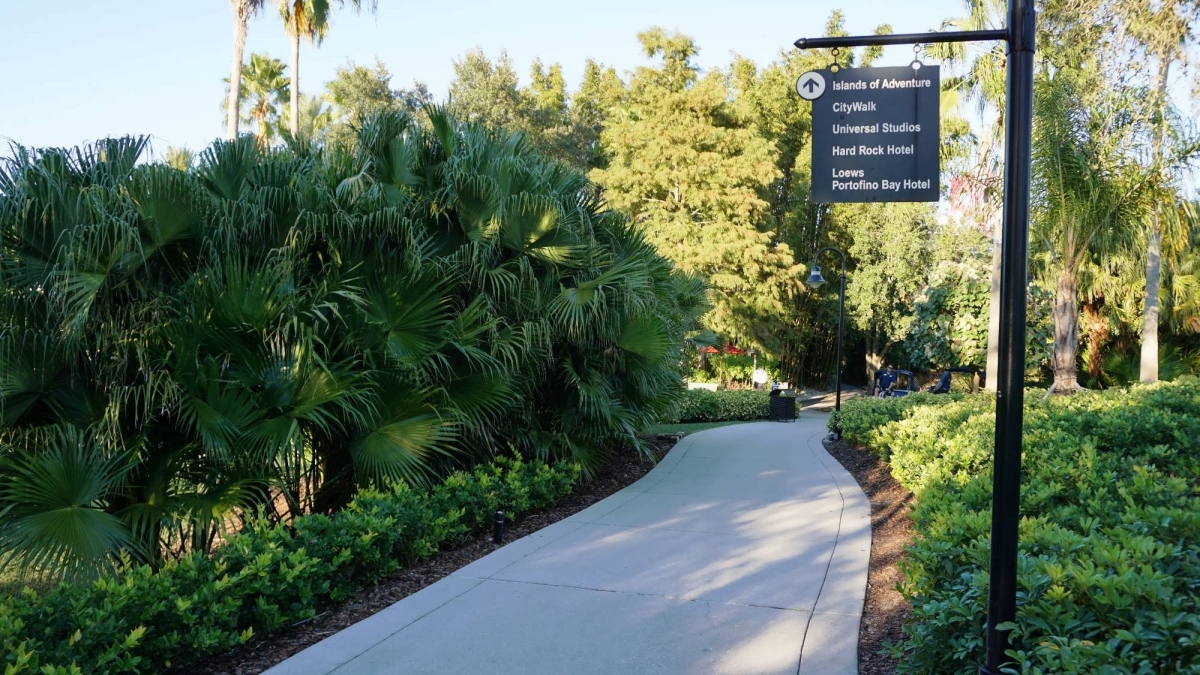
(891, 528)
(625, 468)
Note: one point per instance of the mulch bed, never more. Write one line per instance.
(626, 467)
(891, 528)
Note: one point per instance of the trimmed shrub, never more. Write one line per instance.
(1109, 566)
(140, 620)
(700, 405)
(862, 416)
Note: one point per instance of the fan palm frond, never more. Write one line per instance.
(54, 503)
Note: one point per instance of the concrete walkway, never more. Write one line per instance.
(744, 551)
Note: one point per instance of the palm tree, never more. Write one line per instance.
(180, 159)
(242, 11)
(315, 118)
(178, 349)
(985, 83)
(309, 19)
(1092, 191)
(1165, 31)
(266, 89)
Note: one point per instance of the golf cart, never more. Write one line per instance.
(943, 384)
(905, 384)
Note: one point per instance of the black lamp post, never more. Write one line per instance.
(816, 281)
(1019, 35)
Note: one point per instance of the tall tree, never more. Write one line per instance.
(489, 92)
(1092, 190)
(242, 11)
(599, 96)
(985, 83)
(355, 94)
(1103, 170)
(1165, 31)
(550, 115)
(691, 171)
(766, 96)
(266, 89)
(309, 19)
(891, 254)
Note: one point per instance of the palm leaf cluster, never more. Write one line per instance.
(1098, 178)
(273, 329)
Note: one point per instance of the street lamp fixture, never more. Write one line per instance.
(816, 281)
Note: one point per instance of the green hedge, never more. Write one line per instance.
(1109, 568)
(862, 417)
(142, 621)
(701, 405)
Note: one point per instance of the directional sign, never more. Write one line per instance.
(811, 85)
(875, 135)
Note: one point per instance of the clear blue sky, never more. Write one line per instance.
(77, 70)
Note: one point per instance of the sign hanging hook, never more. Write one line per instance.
(916, 62)
(834, 67)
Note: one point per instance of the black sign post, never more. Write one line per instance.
(875, 134)
(1014, 272)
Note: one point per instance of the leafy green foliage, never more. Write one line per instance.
(701, 405)
(142, 620)
(1109, 537)
(358, 92)
(728, 368)
(949, 326)
(863, 418)
(1124, 369)
(891, 253)
(488, 92)
(950, 314)
(304, 324)
(685, 166)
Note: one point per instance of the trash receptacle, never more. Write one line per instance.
(783, 406)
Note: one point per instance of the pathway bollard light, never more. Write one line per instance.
(498, 532)
(816, 281)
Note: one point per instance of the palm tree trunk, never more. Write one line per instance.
(337, 474)
(262, 131)
(1149, 369)
(295, 121)
(241, 15)
(1066, 333)
(1149, 365)
(1097, 333)
(992, 380)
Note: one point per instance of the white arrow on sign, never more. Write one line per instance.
(811, 85)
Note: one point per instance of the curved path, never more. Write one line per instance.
(744, 551)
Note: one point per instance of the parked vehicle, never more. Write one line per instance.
(904, 385)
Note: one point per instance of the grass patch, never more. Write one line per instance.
(689, 427)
